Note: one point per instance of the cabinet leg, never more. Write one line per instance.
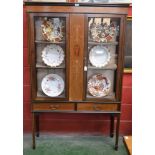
(117, 132)
(33, 130)
(111, 125)
(37, 125)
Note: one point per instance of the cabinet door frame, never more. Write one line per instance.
(120, 61)
(32, 55)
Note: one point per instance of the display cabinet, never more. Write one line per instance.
(76, 56)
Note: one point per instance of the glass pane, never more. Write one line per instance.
(50, 29)
(50, 45)
(102, 56)
(97, 83)
(45, 88)
(103, 29)
(50, 55)
(128, 44)
(103, 37)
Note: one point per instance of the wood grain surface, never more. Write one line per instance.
(128, 143)
(76, 57)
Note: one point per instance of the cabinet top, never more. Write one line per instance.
(40, 3)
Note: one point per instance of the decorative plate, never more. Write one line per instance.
(99, 56)
(103, 30)
(99, 85)
(52, 85)
(53, 55)
(53, 29)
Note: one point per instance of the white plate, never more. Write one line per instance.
(99, 56)
(53, 55)
(52, 85)
(99, 85)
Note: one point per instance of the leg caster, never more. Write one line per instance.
(116, 147)
(112, 135)
(37, 134)
(33, 147)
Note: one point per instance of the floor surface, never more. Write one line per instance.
(50, 144)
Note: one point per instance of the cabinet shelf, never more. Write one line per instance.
(42, 95)
(110, 96)
(48, 42)
(95, 43)
(110, 66)
(39, 65)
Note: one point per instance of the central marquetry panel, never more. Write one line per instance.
(76, 57)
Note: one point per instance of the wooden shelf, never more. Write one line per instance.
(109, 96)
(41, 94)
(48, 42)
(95, 43)
(48, 67)
(110, 66)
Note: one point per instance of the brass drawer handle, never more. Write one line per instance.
(96, 108)
(54, 107)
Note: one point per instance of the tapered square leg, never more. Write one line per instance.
(117, 132)
(33, 130)
(37, 125)
(111, 125)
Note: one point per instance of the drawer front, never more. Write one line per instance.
(53, 106)
(96, 107)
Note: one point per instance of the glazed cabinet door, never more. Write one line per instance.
(49, 55)
(103, 57)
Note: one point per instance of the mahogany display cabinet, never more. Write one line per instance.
(76, 57)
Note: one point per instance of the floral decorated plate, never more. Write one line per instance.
(99, 85)
(103, 30)
(53, 29)
(52, 85)
(99, 56)
(53, 55)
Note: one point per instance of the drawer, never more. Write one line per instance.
(53, 106)
(96, 107)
